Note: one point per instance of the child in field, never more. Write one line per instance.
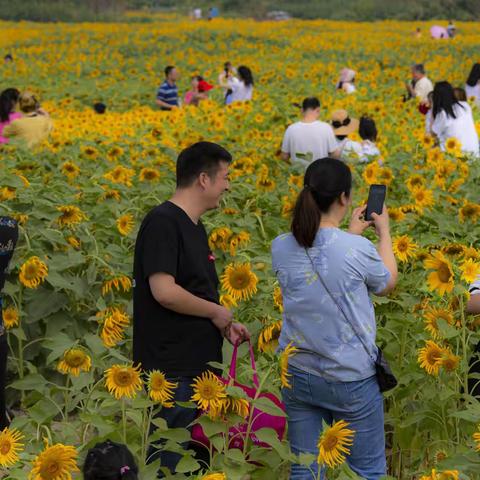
(366, 149)
(110, 461)
(198, 92)
(8, 102)
(346, 81)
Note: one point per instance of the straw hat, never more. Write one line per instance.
(347, 75)
(342, 124)
(27, 102)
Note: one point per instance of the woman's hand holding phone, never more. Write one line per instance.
(381, 222)
(358, 224)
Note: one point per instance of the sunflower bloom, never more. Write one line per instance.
(160, 390)
(431, 317)
(450, 361)
(284, 357)
(10, 446)
(469, 212)
(123, 381)
(149, 174)
(404, 248)
(208, 392)
(57, 462)
(476, 439)
(33, 272)
(214, 476)
(239, 281)
(10, 317)
(430, 357)
(70, 216)
(119, 283)
(74, 361)
(470, 270)
(125, 224)
(268, 338)
(453, 146)
(334, 443)
(423, 198)
(228, 301)
(441, 279)
(218, 239)
(70, 170)
(115, 321)
(278, 298)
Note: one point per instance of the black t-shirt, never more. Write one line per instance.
(178, 345)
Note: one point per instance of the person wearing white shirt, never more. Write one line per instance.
(473, 307)
(472, 87)
(453, 119)
(240, 89)
(343, 126)
(420, 86)
(346, 82)
(365, 150)
(309, 139)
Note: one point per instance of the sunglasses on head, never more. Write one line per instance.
(338, 123)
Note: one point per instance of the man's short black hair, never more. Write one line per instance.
(168, 70)
(419, 68)
(310, 103)
(197, 158)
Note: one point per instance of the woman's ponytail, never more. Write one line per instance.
(306, 218)
(325, 180)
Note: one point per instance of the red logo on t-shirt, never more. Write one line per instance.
(211, 257)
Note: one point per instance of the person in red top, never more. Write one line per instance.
(198, 92)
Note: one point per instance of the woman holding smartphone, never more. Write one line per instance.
(332, 376)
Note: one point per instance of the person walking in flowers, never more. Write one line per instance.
(178, 322)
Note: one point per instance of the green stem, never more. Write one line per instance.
(67, 396)
(20, 347)
(124, 421)
(464, 345)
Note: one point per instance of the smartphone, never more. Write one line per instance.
(376, 199)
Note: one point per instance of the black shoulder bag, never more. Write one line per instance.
(385, 377)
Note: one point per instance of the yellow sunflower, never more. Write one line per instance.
(469, 212)
(70, 170)
(415, 181)
(33, 272)
(268, 338)
(10, 446)
(423, 198)
(450, 361)
(149, 174)
(284, 357)
(453, 146)
(73, 242)
(57, 462)
(476, 438)
(334, 443)
(125, 224)
(404, 248)
(160, 390)
(470, 270)
(471, 253)
(228, 301)
(214, 476)
(396, 214)
(239, 240)
(441, 279)
(73, 361)
(278, 298)
(430, 357)
(10, 317)
(218, 239)
(208, 392)
(123, 381)
(70, 216)
(239, 281)
(119, 283)
(432, 315)
(115, 321)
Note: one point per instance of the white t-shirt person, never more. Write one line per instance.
(315, 138)
(473, 92)
(422, 88)
(462, 128)
(240, 91)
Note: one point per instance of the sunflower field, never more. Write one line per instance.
(79, 199)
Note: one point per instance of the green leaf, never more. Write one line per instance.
(266, 405)
(34, 381)
(179, 435)
(210, 427)
(187, 464)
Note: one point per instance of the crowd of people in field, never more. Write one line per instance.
(325, 272)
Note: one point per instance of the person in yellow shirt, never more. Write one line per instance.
(33, 127)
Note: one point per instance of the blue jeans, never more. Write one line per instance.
(176, 417)
(313, 399)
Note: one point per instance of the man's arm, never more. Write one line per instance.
(473, 305)
(285, 156)
(172, 296)
(163, 104)
(335, 154)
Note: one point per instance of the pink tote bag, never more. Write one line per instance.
(260, 419)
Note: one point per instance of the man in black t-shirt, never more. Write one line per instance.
(178, 323)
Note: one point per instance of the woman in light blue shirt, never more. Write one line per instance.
(333, 374)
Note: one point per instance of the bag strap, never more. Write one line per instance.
(337, 303)
(233, 364)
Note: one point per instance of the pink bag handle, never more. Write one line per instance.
(233, 364)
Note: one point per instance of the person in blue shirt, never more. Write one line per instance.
(167, 93)
(332, 375)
